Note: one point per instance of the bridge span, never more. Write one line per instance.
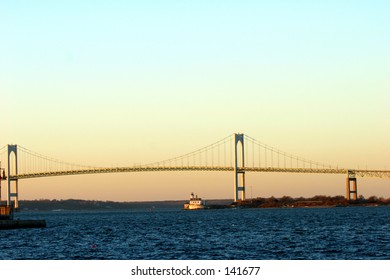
(236, 153)
(385, 174)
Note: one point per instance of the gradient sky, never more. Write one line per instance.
(123, 82)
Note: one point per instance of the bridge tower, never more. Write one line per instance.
(351, 178)
(12, 191)
(239, 175)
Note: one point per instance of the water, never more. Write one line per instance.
(307, 233)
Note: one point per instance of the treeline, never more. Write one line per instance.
(78, 204)
(316, 201)
(271, 202)
(81, 205)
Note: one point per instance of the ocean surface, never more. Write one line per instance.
(272, 234)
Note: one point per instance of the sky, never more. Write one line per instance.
(114, 82)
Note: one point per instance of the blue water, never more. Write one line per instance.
(307, 233)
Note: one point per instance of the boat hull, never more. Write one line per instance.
(188, 206)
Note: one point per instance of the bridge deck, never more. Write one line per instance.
(359, 173)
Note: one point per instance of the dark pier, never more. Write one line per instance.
(7, 220)
(14, 224)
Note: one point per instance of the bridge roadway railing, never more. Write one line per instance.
(385, 174)
(359, 173)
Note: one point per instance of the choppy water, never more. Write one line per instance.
(308, 233)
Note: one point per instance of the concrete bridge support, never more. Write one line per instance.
(351, 181)
(12, 190)
(239, 175)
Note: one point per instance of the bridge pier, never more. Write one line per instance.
(239, 175)
(12, 190)
(351, 180)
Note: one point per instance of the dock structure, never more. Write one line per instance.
(7, 210)
(14, 224)
(7, 220)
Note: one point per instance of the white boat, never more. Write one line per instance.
(195, 203)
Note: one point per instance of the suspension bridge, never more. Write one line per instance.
(236, 153)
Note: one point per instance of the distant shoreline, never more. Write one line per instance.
(318, 201)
